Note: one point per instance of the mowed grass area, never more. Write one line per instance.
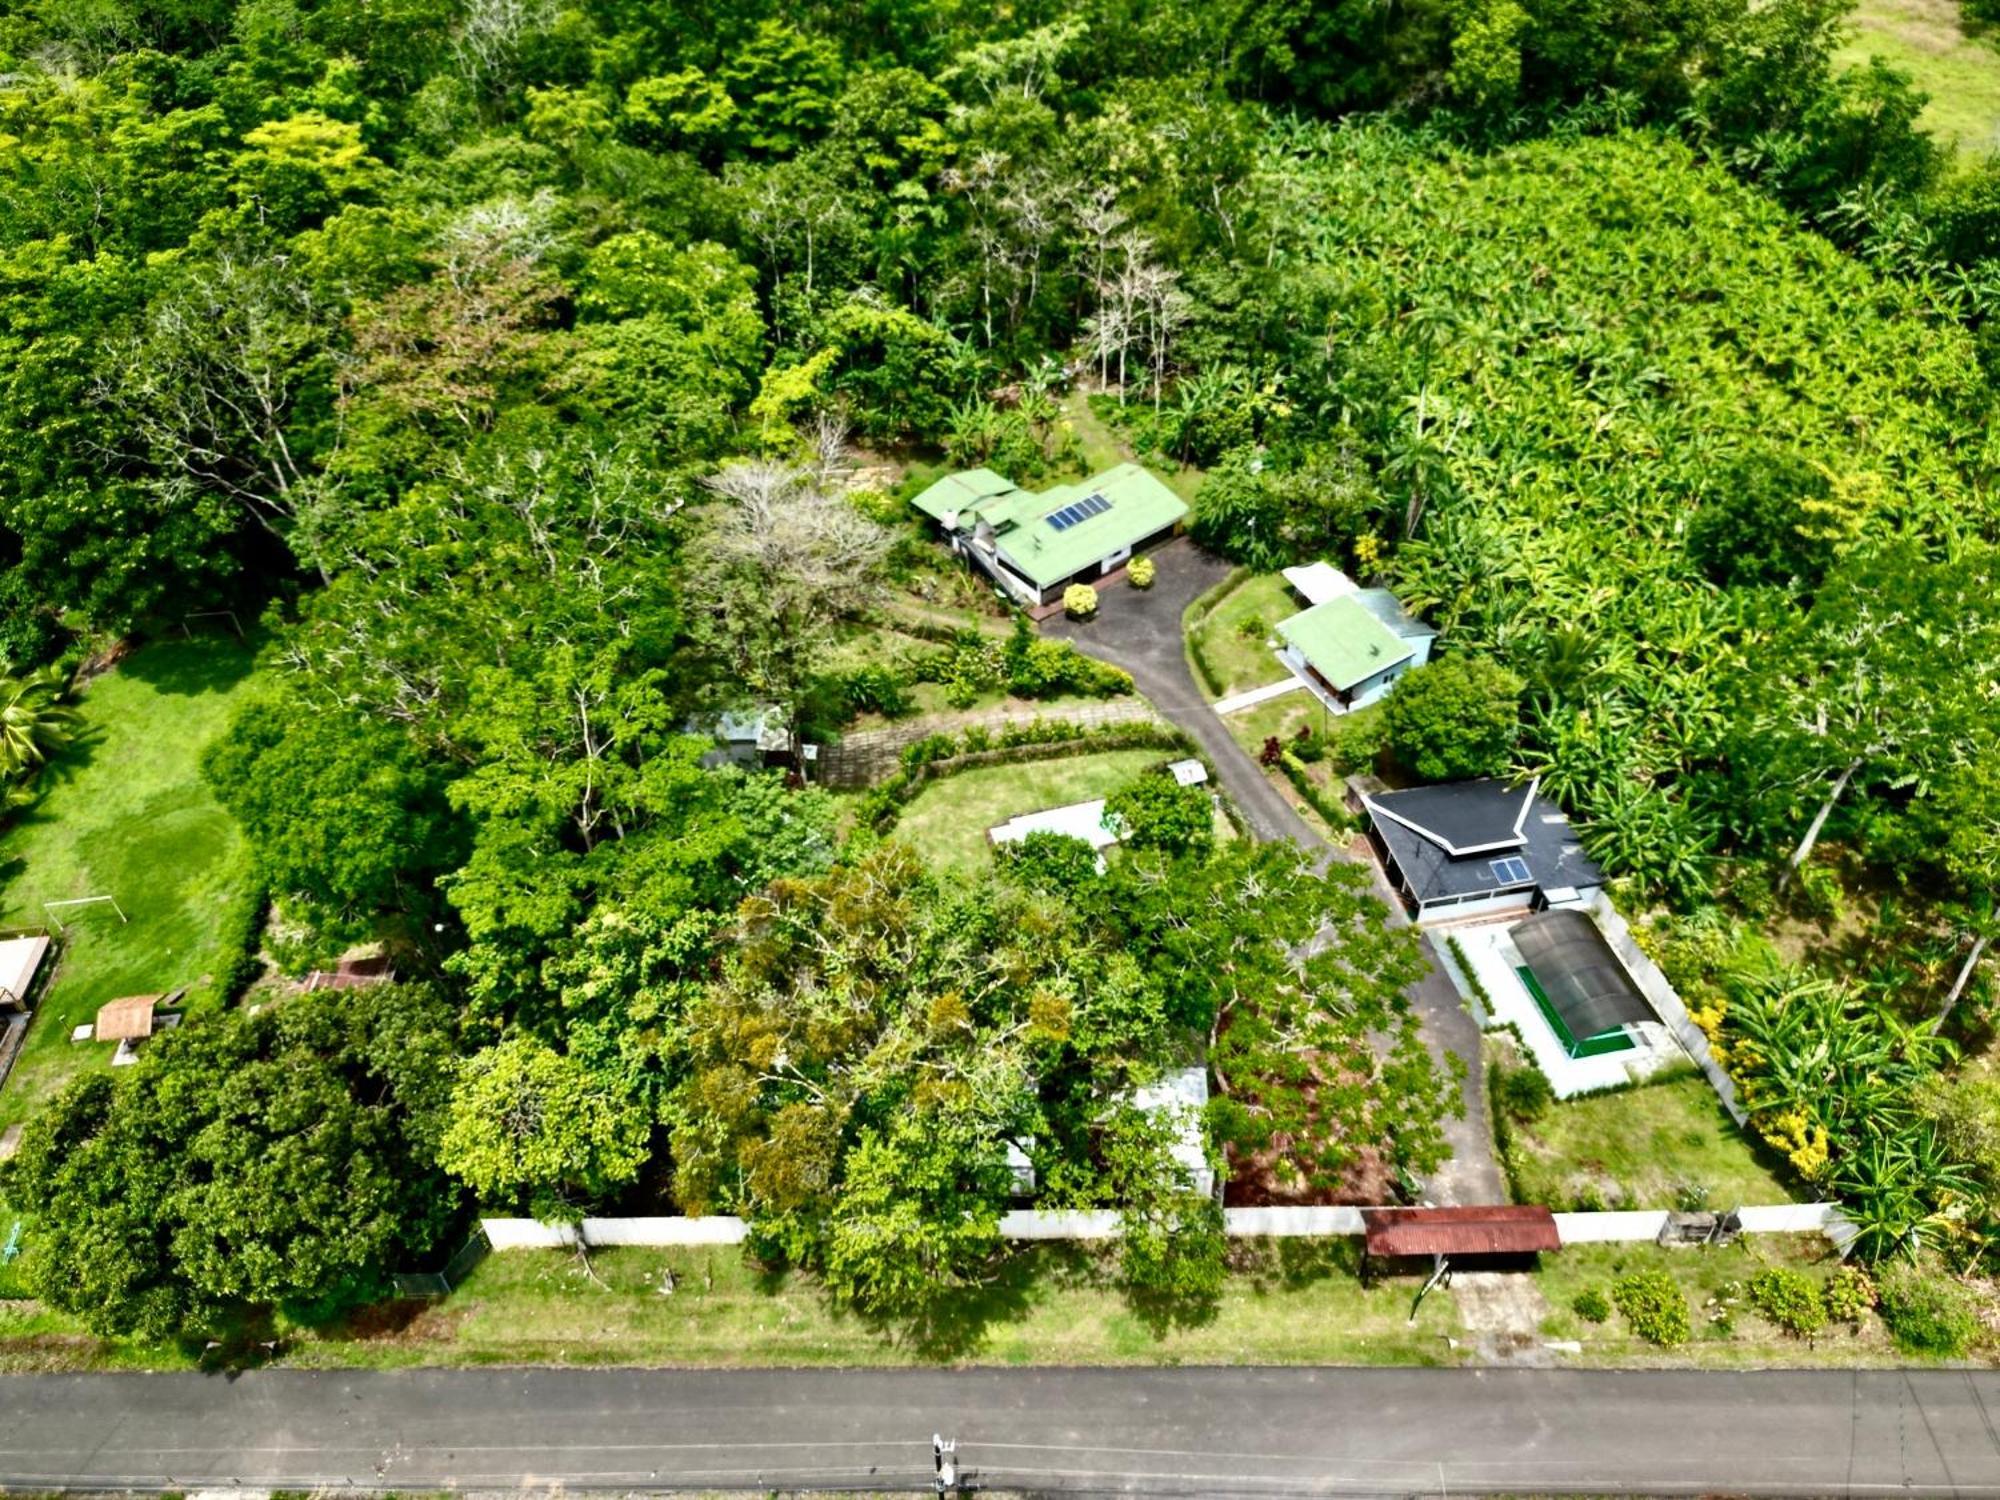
(1103, 448)
(1287, 1302)
(947, 820)
(1639, 1148)
(125, 813)
(1233, 639)
(1727, 1331)
(1961, 72)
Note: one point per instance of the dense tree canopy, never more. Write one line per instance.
(535, 371)
(286, 1157)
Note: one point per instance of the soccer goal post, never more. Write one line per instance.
(51, 907)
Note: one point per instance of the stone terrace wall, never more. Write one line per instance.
(871, 755)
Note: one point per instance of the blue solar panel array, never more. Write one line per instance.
(1083, 510)
(1510, 871)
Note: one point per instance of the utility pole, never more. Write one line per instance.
(944, 1460)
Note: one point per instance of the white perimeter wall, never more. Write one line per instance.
(1031, 1224)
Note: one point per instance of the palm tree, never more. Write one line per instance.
(34, 721)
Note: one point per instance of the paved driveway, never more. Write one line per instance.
(1161, 1431)
(1140, 630)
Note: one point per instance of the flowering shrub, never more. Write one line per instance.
(1142, 572)
(1652, 1303)
(1849, 1295)
(1080, 601)
(1789, 1299)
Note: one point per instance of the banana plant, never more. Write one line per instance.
(34, 720)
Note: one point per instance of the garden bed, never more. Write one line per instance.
(1659, 1145)
(1725, 1327)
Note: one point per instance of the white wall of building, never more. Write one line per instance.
(1484, 906)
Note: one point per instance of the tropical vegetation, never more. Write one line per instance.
(552, 381)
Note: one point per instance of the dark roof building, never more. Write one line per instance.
(1470, 846)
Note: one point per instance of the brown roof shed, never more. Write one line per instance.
(126, 1020)
(1501, 1229)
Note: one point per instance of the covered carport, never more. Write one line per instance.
(1485, 1237)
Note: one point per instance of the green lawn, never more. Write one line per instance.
(1103, 448)
(1960, 72)
(1293, 1301)
(1286, 1302)
(126, 813)
(1235, 637)
(948, 819)
(1637, 1147)
(1728, 1331)
(1283, 716)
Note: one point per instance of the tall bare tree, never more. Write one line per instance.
(784, 560)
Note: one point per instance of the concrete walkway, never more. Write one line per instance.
(1255, 696)
(1140, 630)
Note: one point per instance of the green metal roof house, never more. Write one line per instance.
(1035, 545)
(1347, 651)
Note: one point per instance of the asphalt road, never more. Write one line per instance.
(1210, 1431)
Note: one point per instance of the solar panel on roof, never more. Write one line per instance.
(1510, 871)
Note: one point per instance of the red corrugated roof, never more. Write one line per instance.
(1502, 1229)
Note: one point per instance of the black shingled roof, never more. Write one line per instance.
(1462, 817)
(1422, 825)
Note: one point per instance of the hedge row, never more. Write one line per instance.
(1337, 817)
(240, 934)
(1197, 615)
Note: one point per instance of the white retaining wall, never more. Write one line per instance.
(1629, 1227)
(1280, 1223)
(1794, 1218)
(1664, 1000)
(1059, 1224)
(1626, 1228)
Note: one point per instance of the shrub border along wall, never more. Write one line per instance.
(1479, 992)
(1338, 819)
(941, 755)
(1196, 615)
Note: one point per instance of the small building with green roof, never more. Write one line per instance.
(1034, 545)
(1345, 653)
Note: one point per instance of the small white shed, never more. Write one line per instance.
(1182, 1096)
(1318, 582)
